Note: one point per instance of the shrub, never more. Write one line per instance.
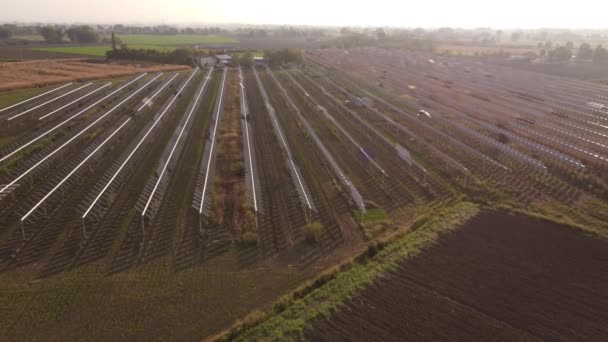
(178, 56)
(238, 169)
(284, 56)
(503, 138)
(249, 238)
(313, 231)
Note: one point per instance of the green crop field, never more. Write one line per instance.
(30, 37)
(98, 50)
(180, 39)
(151, 47)
(140, 41)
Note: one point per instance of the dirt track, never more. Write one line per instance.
(501, 277)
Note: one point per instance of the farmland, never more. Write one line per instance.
(489, 278)
(30, 37)
(157, 39)
(174, 40)
(134, 41)
(42, 73)
(137, 199)
(97, 50)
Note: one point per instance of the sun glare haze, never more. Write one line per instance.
(319, 170)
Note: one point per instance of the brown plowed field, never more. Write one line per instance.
(42, 73)
(501, 277)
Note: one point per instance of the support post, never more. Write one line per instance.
(84, 229)
(200, 224)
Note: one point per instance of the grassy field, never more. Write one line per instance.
(140, 41)
(12, 97)
(30, 37)
(180, 39)
(148, 303)
(373, 215)
(98, 50)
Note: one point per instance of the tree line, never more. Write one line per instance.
(76, 34)
(183, 56)
(585, 53)
(405, 39)
(280, 32)
(57, 34)
(283, 56)
(161, 30)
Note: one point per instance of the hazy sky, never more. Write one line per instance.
(425, 13)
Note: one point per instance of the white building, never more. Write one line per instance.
(223, 59)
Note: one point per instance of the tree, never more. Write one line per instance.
(380, 34)
(560, 54)
(117, 42)
(82, 34)
(570, 45)
(5, 33)
(585, 52)
(245, 59)
(178, 56)
(51, 34)
(419, 31)
(113, 42)
(600, 55)
(284, 56)
(183, 56)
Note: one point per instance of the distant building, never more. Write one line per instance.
(223, 59)
(207, 61)
(258, 60)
